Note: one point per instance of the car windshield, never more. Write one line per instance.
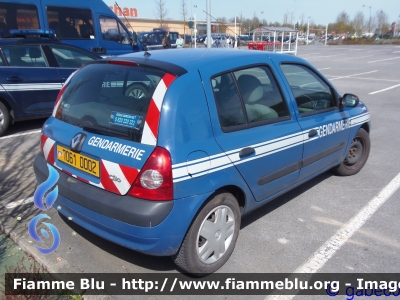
(109, 99)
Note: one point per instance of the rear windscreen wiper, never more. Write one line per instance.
(98, 129)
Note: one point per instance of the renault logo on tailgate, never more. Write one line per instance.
(77, 142)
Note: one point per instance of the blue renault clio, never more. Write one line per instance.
(164, 151)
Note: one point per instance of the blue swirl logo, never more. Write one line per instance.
(44, 199)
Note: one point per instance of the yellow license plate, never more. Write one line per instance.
(79, 161)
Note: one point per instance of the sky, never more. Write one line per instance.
(320, 12)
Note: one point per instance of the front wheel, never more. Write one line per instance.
(357, 155)
(4, 118)
(212, 236)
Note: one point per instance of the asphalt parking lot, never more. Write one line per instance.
(329, 225)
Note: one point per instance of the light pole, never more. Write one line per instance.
(369, 22)
(308, 29)
(208, 23)
(195, 28)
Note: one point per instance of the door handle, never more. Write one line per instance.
(246, 152)
(14, 78)
(312, 133)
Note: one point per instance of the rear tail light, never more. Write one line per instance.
(154, 181)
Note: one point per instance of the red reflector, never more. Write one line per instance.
(123, 63)
(154, 181)
(43, 139)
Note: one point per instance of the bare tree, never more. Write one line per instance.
(358, 22)
(160, 12)
(343, 23)
(291, 18)
(184, 13)
(382, 22)
(247, 25)
(255, 21)
(241, 23)
(285, 18)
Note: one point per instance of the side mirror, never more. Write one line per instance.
(349, 100)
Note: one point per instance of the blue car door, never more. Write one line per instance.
(325, 127)
(29, 80)
(252, 123)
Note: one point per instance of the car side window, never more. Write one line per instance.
(70, 58)
(247, 96)
(229, 105)
(261, 96)
(113, 31)
(173, 36)
(18, 16)
(71, 23)
(25, 56)
(312, 94)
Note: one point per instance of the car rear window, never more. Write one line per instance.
(110, 99)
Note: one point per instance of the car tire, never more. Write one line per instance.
(137, 91)
(208, 233)
(4, 118)
(357, 155)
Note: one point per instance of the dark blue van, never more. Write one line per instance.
(89, 24)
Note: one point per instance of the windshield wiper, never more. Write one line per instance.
(98, 129)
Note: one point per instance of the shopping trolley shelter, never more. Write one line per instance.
(275, 39)
(214, 135)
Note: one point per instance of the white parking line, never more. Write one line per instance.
(19, 202)
(324, 56)
(331, 246)
(389, 88)
(324, 68)
(353, 57)
(384, 59)
(20, 134)
(340, 77)
(396, 51)
(376, 79)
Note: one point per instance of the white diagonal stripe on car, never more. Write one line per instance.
(159, 93)
(47, 147)
(119, 180)
(147, 136)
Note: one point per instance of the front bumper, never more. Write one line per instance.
(151, 227)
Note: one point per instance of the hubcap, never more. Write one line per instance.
(355, 152)
(215, 234)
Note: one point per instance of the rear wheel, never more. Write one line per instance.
(4, 118)
(357, 155)
(212, 236)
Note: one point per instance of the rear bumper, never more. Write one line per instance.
(126, 209)
(151, 227)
